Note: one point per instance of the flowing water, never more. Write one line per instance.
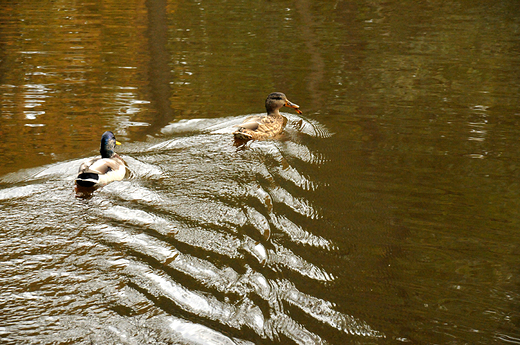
(386, 213)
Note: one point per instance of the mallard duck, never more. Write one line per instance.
(260, 127)
(110, 167)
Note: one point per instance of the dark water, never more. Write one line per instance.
(387, 213)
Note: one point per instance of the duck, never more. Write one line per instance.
(100, 171)
(261, 127)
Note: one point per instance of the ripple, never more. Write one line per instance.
(191, 125)
(20, 192)
(66, 170)
(142, 170)
(139, 218)
(307, 126)
(259, 222)
(126, 190)
(156, 284)
(303, 153)
(298, 205)
(198, 334)
(285, 257)
(297, 234)
(323, 311)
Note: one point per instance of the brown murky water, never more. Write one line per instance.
(387, 213)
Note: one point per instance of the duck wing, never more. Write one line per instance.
(97, 166)
(101, 165)
(252, 122)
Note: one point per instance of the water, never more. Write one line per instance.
(387, 213)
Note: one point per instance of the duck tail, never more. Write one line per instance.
(241, 135)
(87, 179)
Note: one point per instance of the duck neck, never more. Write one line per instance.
(106, 152)
(273, 112)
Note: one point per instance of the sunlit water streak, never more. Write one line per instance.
(203, 240)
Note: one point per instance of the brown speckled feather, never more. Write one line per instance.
(264, 127)
(268, 127)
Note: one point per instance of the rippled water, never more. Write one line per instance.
(201, 234)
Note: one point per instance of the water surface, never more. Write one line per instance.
(386, 213)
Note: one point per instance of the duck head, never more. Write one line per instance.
(277, 100)
(108, 144)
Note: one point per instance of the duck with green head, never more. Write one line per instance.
(260, 127)
(99, 171)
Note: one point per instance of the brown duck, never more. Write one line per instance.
(260, 127)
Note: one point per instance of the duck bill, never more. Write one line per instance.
(118, 143)
(292, 105)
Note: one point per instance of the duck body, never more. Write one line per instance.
(259, 127)
(100, 171)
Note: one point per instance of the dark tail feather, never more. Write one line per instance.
(87, 179)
